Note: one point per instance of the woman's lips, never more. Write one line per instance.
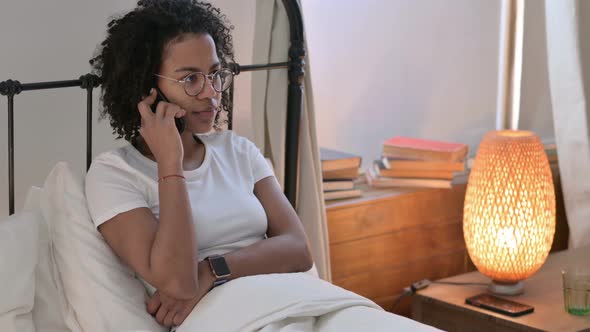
(206, 114)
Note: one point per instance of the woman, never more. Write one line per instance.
(190, 210)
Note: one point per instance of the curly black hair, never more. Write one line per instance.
(132, 52)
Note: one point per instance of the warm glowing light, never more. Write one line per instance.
(509, 213)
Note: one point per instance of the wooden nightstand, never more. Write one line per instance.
(387, 239)
(443, 306)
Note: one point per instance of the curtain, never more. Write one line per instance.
(568, 50)
(269, 112)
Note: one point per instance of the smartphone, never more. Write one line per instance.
(180, 124)
(499, 305)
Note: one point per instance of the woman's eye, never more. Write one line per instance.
(191, 78)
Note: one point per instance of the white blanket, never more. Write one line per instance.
(290, 302)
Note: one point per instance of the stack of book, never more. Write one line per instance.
(551, 151)
(339, 171)
(413, 162)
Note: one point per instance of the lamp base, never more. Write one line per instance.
(501, 288)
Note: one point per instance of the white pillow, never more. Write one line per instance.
(103, 292)
(19, 234)
(50, 301)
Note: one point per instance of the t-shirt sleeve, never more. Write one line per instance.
(260, 167)
(110, 191)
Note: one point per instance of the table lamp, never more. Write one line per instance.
(509, 212)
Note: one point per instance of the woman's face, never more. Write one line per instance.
(193, 53)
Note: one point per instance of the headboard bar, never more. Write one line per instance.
(236, 68)
(10, 88)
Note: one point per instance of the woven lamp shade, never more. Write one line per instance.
(509, 212)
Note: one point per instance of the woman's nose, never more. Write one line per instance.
(208, 90)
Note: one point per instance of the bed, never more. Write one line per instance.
(58, 273)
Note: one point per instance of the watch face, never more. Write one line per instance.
(219, 265)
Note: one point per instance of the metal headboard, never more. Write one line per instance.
(10, 88)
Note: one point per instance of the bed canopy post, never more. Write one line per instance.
(294, 99)
(10, 88)
(89, 82)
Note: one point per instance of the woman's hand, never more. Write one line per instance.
(159, 131)
(168, 311)
(171, 312)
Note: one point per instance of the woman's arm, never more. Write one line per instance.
(161, 252)
(286, 248)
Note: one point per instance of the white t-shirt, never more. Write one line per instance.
(226, 213)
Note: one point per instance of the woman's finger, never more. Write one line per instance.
(144, 107)
(181, 315)
(180, 113)
(161, 314)
(168, 320)
(145, 112)
(149, 100)
(154, 303)
(161, 110)
(171, 112)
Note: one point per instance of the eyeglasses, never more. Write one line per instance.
(195, 82)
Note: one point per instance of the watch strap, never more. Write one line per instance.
(219, 282)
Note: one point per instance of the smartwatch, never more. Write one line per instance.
(219, 268)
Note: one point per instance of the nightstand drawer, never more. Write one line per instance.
(372, 282)
(390, 214)
(395, 249)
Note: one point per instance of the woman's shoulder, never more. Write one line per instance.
(117, 168)
(114, 159)
(113, 156)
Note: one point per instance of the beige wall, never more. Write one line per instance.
(422, 68)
